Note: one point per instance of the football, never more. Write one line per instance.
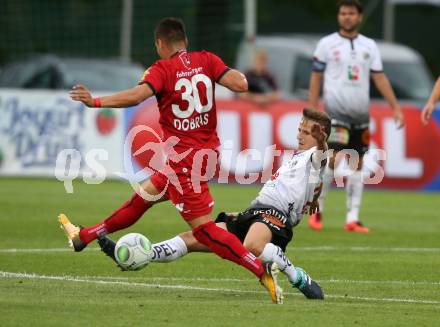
(133, 251)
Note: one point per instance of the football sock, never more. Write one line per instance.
(123, 217)
(273, 253)
(227, 246)
(327, 180)
(169, 250)
(354, 190)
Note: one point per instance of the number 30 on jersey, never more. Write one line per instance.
(190, 94)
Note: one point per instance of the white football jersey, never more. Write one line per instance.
(292, 186)
(346, 65)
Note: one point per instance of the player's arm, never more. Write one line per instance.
(319, 161)
(319, 157)
(314, 205)
(315, 89)
(430, 105)
(234, 80)
(383, 85)
(319, 65)
(127, 98)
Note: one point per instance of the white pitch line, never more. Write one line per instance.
(382, 299)
(292, 248)
(5, 274)
(243, 280)
(398, 282)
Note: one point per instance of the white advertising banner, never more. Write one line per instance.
(35, 126)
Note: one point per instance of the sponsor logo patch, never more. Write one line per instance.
(339, 135)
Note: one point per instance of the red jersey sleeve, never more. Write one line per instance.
(218, 67)
(155, 77)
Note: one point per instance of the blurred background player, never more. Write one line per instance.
(265, 228)
(263, 89)
(344, 62)
(430, 105)
(184, 85)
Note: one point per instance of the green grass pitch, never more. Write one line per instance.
(390, 277)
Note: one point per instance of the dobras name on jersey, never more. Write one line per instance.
(191, 123)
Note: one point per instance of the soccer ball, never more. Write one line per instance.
(133, 251)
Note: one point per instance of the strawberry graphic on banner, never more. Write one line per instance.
(105, 121)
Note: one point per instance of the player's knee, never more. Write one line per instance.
(254, 247)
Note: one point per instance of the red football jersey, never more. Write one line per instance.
(184, 86)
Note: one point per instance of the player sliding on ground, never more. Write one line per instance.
(184, 85)
(265, 228)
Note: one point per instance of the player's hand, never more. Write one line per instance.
(313, 207)
(81, 93)
(318, 133)
(398, 117)
(427, 112)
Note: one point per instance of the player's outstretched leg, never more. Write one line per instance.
(163, 252)
(296, 276)
(72, 233)
(307, 285)
(108, 246)
(354, 189)
(228, 246)
(123, 217)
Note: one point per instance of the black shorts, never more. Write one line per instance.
(349, 136)
(239, 224)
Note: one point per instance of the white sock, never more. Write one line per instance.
(327, 180)
(273, 253)
(169, 250)
(354, 190)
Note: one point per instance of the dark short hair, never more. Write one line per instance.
(320, 117)
(350, 3)
(171, 30)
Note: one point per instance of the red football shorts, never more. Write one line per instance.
(186, 183)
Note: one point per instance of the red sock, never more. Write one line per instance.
(227, 246)
(125, 216)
